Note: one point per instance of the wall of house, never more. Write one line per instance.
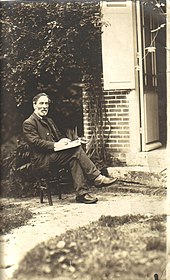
(116, 123)
(117, 108)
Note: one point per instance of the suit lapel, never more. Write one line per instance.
(51, 126)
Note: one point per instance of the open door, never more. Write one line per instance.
(149, 108)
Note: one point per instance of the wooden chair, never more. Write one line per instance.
(58, 178)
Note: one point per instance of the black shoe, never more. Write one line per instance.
(86, 198)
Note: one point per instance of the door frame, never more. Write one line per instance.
(140, 87)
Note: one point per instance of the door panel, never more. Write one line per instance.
(151, 114)
(149, 98)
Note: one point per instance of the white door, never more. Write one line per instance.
(148, 80)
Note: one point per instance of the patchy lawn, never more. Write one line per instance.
(130, 247)
(12, 216)
(125, 248)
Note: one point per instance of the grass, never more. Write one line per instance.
(130, 247)
(13, 215)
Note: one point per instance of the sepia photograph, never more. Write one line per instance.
(85, 140)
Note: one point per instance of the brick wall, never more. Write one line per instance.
(116, 128)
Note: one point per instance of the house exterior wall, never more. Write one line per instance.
(122, 135)
(117, 108)
(122, 129)
(125, 113)
(116, 123)
(125, 129)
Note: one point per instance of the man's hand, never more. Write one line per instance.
(64, 141)
(61, 143)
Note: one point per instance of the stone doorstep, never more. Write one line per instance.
(153, 160)
(139, 174)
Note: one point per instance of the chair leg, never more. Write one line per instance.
(59, 191)
(49, 197)
(47, 189)
(41, 195)
(49, 193)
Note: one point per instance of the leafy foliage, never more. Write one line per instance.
(17, 179)
(50, 47)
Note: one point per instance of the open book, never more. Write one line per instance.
(72, 144)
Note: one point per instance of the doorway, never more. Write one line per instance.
(152, 78)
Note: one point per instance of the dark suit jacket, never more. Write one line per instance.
(40, 135)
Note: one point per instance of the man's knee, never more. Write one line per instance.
(78, 152)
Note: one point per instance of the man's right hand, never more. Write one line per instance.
(61, 143)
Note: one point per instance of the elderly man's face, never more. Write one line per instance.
(41, 107)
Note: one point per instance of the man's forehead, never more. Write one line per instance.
(42, 99)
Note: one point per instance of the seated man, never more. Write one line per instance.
(48, 147)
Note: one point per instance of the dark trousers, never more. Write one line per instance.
(82, 168)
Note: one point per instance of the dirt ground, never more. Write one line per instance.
(50, 221)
